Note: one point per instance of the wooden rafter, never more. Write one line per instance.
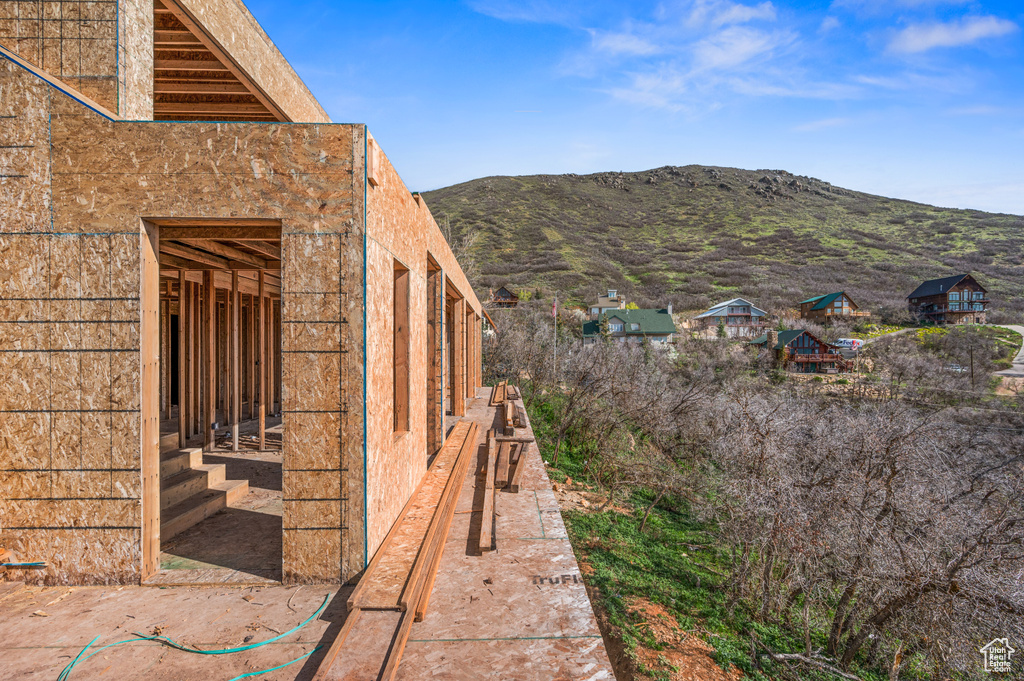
(195, 255)
(226, 251)
(271, 250)
(195, 78)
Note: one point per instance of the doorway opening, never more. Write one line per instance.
(220, 430)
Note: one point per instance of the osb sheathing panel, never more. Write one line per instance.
(76, 42)
(135, 59)
(399, 227)
(69, 311)
(24, 126)
(230, 24)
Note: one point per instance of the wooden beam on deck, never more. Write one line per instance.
(236, 385)
(262, 364)
(182, 359)
(210, 332)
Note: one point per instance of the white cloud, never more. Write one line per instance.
(829, 24)
(879, 6)
(953, 82)
(529, 11)
(736, 45)
(625, 43)
(661, 89)
(924, 37)
(979, 110)
(823, 124)
(716, 13)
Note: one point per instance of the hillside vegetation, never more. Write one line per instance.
(696, 235)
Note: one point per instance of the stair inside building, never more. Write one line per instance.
(191, 491)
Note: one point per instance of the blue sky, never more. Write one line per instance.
(916, 99)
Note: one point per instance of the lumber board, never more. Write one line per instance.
(398, 647)
(487, 515)
(336, 646)
(458, 478)
(520, 416)
(413, 600)
(501, 472)
(386, 585)
(498, 393)
(517, 474)
(508, 410)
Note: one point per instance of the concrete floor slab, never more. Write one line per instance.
(519, 612)
(526, 659)
(42, 629)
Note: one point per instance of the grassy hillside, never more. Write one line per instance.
(696, 235)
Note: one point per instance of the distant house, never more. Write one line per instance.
(824, 308)
(802, 352)
(503, 298)
(632, 326)
(738, 316)
(959, 299)
(612, 301)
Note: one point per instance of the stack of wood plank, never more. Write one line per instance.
(499, 393)
(395, 589)
(505, 464)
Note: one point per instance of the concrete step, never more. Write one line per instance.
(199, 507)
(177, 488)
(179, 460)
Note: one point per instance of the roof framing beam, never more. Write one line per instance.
(226, 251)
(268, 249)
(185, 17)
(174, 229)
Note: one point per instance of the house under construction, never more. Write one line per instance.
(191, 254)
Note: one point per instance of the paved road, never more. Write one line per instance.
(1017, 370)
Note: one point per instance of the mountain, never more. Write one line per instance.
(695, 235)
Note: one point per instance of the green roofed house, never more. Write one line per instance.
(802, 352)
(632, 326)
(824, 308)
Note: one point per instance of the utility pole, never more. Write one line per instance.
(972, 366)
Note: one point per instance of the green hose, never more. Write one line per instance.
(66, 673)
(280, 666)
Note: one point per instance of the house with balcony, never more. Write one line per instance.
(739, 317)
(958, 299)
(503, 297)
(830, 306)
(631, 326)
(802, 352)
(612, 301)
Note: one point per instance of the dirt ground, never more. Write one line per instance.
(685, 656)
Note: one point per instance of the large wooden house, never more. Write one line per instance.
(802, 352)
(739, 317)
(825, 308)
(612, 301)
(503, 297)
(958, 299)
(631, 326)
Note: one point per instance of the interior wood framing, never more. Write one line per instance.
(223, 285)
